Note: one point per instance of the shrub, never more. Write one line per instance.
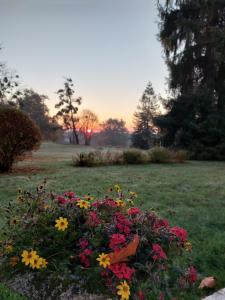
(97, 158)
(134, 156)
(160, 155)
(180, 156)
(100, 245)
(18, 134)
(87, 159)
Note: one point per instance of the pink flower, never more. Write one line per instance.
(157, 252)
(141, 295)
(61, 200)
(192, 275)
(83, 243)
(84, 260)
(93, 219)
(122, 271)
(122, 223)
(87, 252)
(69, 194)
(180, 233)
(116, 241)
(133, 211)
(161, 223)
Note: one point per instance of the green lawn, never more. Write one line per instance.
(191, 195)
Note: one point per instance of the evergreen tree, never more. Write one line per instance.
(147, 109)
(192, 33)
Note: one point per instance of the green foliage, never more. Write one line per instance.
(134, 156)
(18, 135)
(7, 294)
(71, 231)
(192, 34)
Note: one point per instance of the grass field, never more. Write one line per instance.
(191, 195)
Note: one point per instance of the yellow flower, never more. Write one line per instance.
(9, 248)
(83, 204)
(20, 199)
(188, 246)
(133, 194)
(27, 256)
(123, 290)
(120, 203)
(117, 188)
(14, 261)
(130, 201)
(36, 262)
(61, 224)
(104, 260)
(13, 221)
(43, 262)
(89, 198)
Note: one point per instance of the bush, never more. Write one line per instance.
(100, 245)
(18, 135)
(160, 155)
(97, 158)
(134, 156)
(87, 159)
(180, 156)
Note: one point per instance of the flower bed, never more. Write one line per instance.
(106, 246)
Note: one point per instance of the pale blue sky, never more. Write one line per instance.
(108, 47)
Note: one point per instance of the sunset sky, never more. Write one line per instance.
(108, 47)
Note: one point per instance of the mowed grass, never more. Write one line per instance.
(191, 195)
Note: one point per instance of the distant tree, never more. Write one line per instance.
(88, 121)
(18, 135)
(114, 133)
(68, 108)
(8, 85)
(144, 128)
(34, 105)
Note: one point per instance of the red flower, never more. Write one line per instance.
(158, 252)
(116, 241)
(83, 243)
(141, 295)
(192, 275)
(69, 194)
(133, 211)
(93, 219)
(88, 252)
(84, 260)
(122, 223)
(61, 200)
(161, 223)
(122, 271)
(109, 202)
(180, 233)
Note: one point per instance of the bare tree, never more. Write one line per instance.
(68, 108)
(87, 122)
